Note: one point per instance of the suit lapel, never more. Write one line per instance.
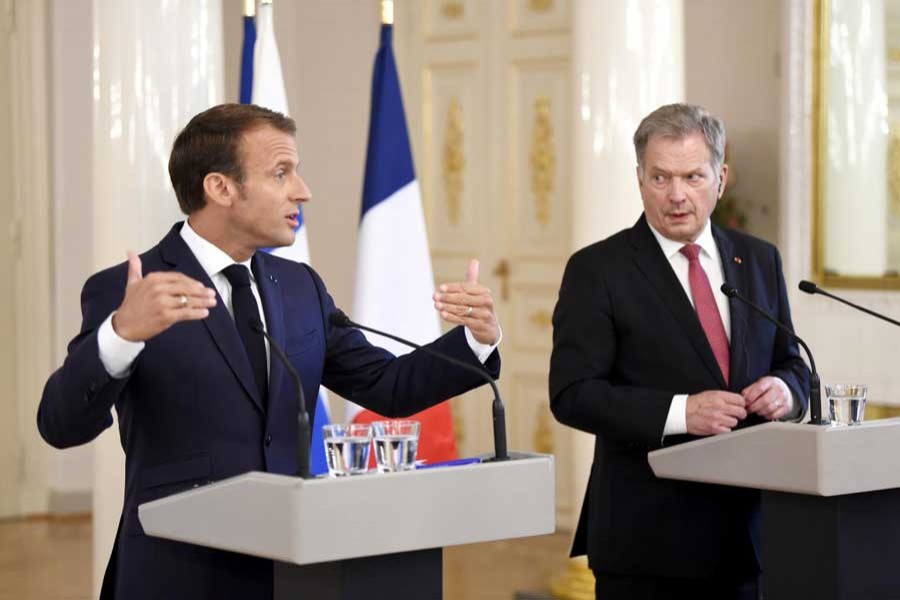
(270, 294)
(736, 276)
(655, 266)
(219, 322)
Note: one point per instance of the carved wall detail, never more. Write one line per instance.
(459, 424)
(541, 318)
(543, 433)
(454, 161)
(543, 160)
(540, 5)
(452, 9)
(894, 168)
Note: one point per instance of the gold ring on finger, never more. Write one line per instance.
(468, 311)
(184, 301)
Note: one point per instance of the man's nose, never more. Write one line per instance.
(301, 192)
(677, 189)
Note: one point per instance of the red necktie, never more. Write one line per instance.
(707, 310)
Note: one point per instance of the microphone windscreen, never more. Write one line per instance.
(339, 319)
(728, 290)
(809, 287)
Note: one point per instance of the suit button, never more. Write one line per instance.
(268, 441)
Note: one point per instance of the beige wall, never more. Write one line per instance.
(732, 68)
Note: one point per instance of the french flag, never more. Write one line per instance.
(262, 76)
(394, 279)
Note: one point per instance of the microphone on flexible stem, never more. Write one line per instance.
(339, 319)
(303, 428)
(815, 398)
(810, 288)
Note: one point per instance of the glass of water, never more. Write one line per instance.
(846, 403)
(347, 448)
(395, 445)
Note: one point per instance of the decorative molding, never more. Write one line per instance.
(454, 161)
(452, 9)
(71, 503)
(543, 433)
(874, 412)
(459, 424)
(543, 160)
(541, 318)
(540, 5)
(894, 168)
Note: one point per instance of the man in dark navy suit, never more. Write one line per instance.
(647, 352)
(166, 341)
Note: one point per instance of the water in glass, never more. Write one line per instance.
(396, 452)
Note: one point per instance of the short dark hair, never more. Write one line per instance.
(210, 143)
(678, 121)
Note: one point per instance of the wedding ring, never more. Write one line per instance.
(468, 311)
(184, 301)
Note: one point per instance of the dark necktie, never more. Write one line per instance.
(246, 311)
(707, 310)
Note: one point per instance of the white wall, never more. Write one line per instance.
(71, 28)
(732, 68)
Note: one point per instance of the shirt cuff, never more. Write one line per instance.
(676, 422)
(790, 403)
(482, 351)
(116, 354)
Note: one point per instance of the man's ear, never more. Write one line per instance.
(723, 178)
(219, 189)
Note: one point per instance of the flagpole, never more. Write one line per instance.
(249, 8)
(387, 12)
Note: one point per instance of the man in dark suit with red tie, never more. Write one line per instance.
(167, 341)
(647, 353)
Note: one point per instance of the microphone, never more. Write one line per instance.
(303, 428)
(810, 288)
(815, 398)
(339, 319)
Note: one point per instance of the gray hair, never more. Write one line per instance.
(677, 121)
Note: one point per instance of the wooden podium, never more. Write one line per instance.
(342, 538)
(830, 502)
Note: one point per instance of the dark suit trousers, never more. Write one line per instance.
(625, 587)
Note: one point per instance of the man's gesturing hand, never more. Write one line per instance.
(154, 303)
(714, 411)
(469, 303)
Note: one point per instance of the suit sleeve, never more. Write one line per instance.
(395, 386)
(78, 397)
(583, 390)
(787, 363)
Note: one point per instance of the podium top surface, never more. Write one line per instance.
(305, 521)
(821, 460)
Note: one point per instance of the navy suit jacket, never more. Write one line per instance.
(189, 412)
(626, 339)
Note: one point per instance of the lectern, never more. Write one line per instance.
(830, 502)
(341, 539)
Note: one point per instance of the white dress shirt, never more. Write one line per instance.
(118, 355)
(711, 261)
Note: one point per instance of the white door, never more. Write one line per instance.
(487, 87)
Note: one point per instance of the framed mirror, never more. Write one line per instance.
(856, 141)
